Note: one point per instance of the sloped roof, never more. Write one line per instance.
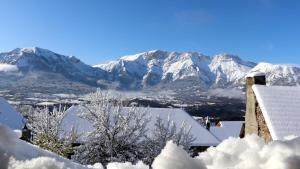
(178, 116)
(9, 116)
(12, 146)
(280, 106)
(227, 129)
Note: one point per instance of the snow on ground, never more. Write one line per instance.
(230, 93)
(174, 157)
(18, 154)
(252, 153)
(233, 153)
(127, 165)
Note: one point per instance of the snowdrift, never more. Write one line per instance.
(18, 154)
(234, 153)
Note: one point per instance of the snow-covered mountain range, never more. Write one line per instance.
(41, 69)
(191, 68)
(28, 60)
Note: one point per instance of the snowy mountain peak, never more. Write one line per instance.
(279, 74)
(231, 58)
(34, 53)
(226, 57)
(229, 70)
(162, 67)
(31, 50)
(35, 59)
(20, 56)
(153, 54)
(155, 68)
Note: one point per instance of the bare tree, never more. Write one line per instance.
(118, 131)
(164, 132)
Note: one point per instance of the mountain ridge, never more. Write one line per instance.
(155, 68)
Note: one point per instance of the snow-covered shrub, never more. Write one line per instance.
(118, 131)
(46, 130)
(164, 132)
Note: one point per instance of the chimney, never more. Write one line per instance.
(255, 78)
(207, 123)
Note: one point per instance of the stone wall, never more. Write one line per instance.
(263, 130)
(254, 120)
(250, 116)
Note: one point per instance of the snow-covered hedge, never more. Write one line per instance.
(234, 153)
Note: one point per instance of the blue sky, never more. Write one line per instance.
(100, 30)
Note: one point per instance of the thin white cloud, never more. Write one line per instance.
(8, 68)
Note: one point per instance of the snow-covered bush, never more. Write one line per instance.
(118, 131)
(46, 130)
(164, 132)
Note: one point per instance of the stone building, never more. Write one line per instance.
(272, 112)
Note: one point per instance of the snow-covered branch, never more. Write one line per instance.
(118, 133)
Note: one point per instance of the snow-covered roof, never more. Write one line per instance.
(255, 73)
(12, 146)
(280, 106)
(9, 116)
(73, 120)
(202, 136)
(227, 129)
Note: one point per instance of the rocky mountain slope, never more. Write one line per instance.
(160, 68)
(279, 74)
(38, 61)
(42, 71)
